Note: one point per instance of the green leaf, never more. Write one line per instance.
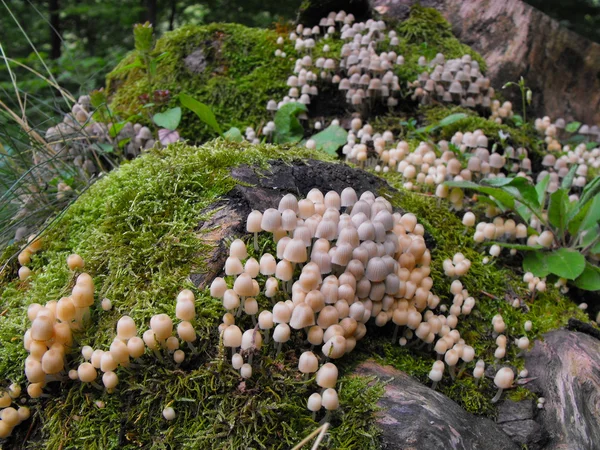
(520, 188)
(572, 127)
(234, 135)
(133, 65)
(452, 118)
(541, 187)
(565, 262)
(201, 110)
(116, 128)
(576, 139)
(288, 129)
(169, 119)
(535, 262)
(591, 190)
(518, 120)
(330, 139)
(568, 180)
(558, 209)
(105, 148)
(504, 198)
(586, 217)
(589, 280)
(591, 145)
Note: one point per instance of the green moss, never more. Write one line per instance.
(136, 230)
(435, 113)
(426, 33)
(549, 311)
(240, 75)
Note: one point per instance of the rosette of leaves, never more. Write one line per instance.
(574, 224)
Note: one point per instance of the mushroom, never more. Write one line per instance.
(503, 380)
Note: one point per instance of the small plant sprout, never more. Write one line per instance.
(169, 413)
(503, 380)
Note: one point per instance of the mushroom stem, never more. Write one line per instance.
(452, 371)
(250, 358)
(314, 416)
(239, 311)
(477, 381)
(463, 367)
(192, 348)
(96, 385)
(256, 241)
(278, 349)
(267, 335)
(395, 335)
(326, 418)
(158, 355)
(498, 395)
(434, 385)
(253, 319)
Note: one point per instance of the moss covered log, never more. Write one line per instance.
(136, 230)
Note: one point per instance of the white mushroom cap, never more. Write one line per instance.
(504, 378)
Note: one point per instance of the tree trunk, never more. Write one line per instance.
(55, 38)
(151, 12)
(172, 16)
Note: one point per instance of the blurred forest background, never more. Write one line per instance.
(81, 40)
(57, 49)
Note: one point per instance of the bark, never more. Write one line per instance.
(561, 67)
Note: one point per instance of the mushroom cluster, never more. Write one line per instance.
(554, 132)
(340, 261)
(34, 245)
(50, 336)
(454, 81)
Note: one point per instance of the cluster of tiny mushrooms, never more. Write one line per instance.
(341, 259)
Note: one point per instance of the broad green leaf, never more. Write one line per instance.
(520, 188)
(541, 187)
(558, 209)
(588, 236)
(203, 111)
(568, 180)
(589, 279)
(586, 217)
(565, 263)
(524, 191)
(523, 211)
(330, 139)
(591, 190)
(169, 119)
(288, 129)
(234, 135)
(591, 145)
(503, 197)
(576, 139)
(535, 262)
(573, 127)
(116, 128)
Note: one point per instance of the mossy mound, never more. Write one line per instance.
(136, 230)
(230, 67)
(234, 70)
